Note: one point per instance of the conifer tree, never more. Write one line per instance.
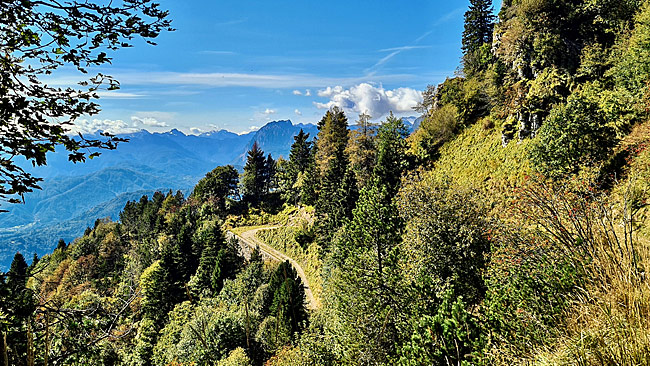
(331, 142)
(479, 24)
(287, 303)
(361, 149)
(18, 303)
(300, 154)
(391, 153)
(338, 188)
(300, 158)
(253, 180)
(268, 175)
(364, 284)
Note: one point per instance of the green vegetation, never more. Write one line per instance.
(511, 228)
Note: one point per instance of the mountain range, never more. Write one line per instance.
(73, 196)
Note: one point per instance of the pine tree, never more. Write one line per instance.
(477, 36)
(18, 303)
(364, 284)
(338, 188)
(287, 303)
(361, 149)
(391, 153)
(253, 180)
(331, 142)
(300, 158)
(300, 153)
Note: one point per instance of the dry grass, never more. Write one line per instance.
(609, 323)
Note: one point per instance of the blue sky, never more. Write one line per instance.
(237, 64)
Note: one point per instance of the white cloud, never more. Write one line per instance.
(254, 128)
(148, 122)
(297, 112)
(269, 111)
(308, 93)
(110, 94)
(297, 92)
(105, 125)
(366, 98)
(196, 130)
(277, 81)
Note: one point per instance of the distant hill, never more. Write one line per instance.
(275, 138)
(74, 195)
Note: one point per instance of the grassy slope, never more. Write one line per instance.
(609, 324)
(476, 159)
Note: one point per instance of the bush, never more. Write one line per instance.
(450, 337)
(574, 135)
(439, 127)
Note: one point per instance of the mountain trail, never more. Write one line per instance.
(250, 240)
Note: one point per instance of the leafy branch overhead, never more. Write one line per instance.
(36, 39)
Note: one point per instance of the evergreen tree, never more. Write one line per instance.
(228, 263)
(338, 191)
(300, 154)
(331, 142)
(308, 182)
(287, 303)
(253, 180)
(18, 303)
(300, 159)
(364, 285)
(361, 149)
(61, 245)
(477, 36)
(391, 153)
(268, 175)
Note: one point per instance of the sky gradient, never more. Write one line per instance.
(237, 65)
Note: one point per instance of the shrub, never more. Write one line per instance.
(573, 136)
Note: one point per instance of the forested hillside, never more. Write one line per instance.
(510, 228)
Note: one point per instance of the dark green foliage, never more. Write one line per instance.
(364, 285)
(452, 336)
(338, 187)
(477, 36)
(141, 219)
(300, 161)
(227, 264)
(219, 260)
(336, 200)
(391, 153)
(216, 186)
(17, 303)
(259, 175)
(287, 303)
(61, 245)
(300, 153)
(574, 135)
(309, 182)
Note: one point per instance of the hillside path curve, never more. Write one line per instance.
(250, 239)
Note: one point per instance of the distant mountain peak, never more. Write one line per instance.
(175, 132)
(280, 123)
